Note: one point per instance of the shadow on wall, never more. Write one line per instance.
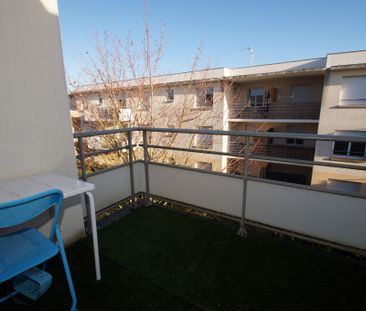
(33, 88)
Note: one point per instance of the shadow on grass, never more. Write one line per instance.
(157, 259)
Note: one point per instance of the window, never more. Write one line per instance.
(294, 141)
(207, 166)
(350, 149)
(100, 101)
(303, 93)
(170, 95)
(203, 141)
(344, 185)
(353, 91)
(205, 98)
(341, 148)
(256, 97)
(125, 115)
(122, 102)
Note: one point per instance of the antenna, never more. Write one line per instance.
(250, 55)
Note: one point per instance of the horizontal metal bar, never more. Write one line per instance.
(96, 153)
(226, 133)
(258, 134)
(263, 158)
(104, 132)
(193, 169)
(195, 150)
(107, 169)
(305, 162)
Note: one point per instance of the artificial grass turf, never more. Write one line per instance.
(158, 259)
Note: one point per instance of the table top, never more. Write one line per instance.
(26, 186)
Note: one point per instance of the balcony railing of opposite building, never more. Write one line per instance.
(276, 110)
(272, 150)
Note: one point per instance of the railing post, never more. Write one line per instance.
(146, 162)
(82, 159)
(130, 162)
(242, 230)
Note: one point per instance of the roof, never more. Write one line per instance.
(308, 66)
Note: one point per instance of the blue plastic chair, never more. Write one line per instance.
(23, 254)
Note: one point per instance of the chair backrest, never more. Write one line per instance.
(16, 212)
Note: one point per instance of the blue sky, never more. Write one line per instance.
(278, 30)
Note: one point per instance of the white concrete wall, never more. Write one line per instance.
(111, 187)
(35, 129)
(322, 215)
(333, 217)
(114, 186)
(218, 193)
(346, 58)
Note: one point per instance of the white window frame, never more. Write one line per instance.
(256, 104)
(348, 155)
(203, 103)
(350, 100)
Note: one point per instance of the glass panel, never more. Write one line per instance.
(260, 100)
(252, 100)
(256, 97)
(170, 95)
(357, 149)
(340, 147)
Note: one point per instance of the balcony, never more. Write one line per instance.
(174, 246)
(276, 111)
(326, 214)
(270, 150)
(179, 238)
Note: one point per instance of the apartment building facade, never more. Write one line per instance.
(295, 97)
(343, 112)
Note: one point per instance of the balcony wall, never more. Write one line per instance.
(328, 216)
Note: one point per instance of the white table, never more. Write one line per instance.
(24, 187)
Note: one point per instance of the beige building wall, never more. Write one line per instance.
(335, 117)
(283, 85)
(35, 129)
(167, 113)
(307, 77)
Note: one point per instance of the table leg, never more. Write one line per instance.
(91, 209)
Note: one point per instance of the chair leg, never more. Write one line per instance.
(66, 267)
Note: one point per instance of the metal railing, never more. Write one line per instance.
(272, 150)
(276, 110)
(246, 155)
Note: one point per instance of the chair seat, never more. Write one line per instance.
(23, 250)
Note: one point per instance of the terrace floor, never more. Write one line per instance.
(159, 259)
